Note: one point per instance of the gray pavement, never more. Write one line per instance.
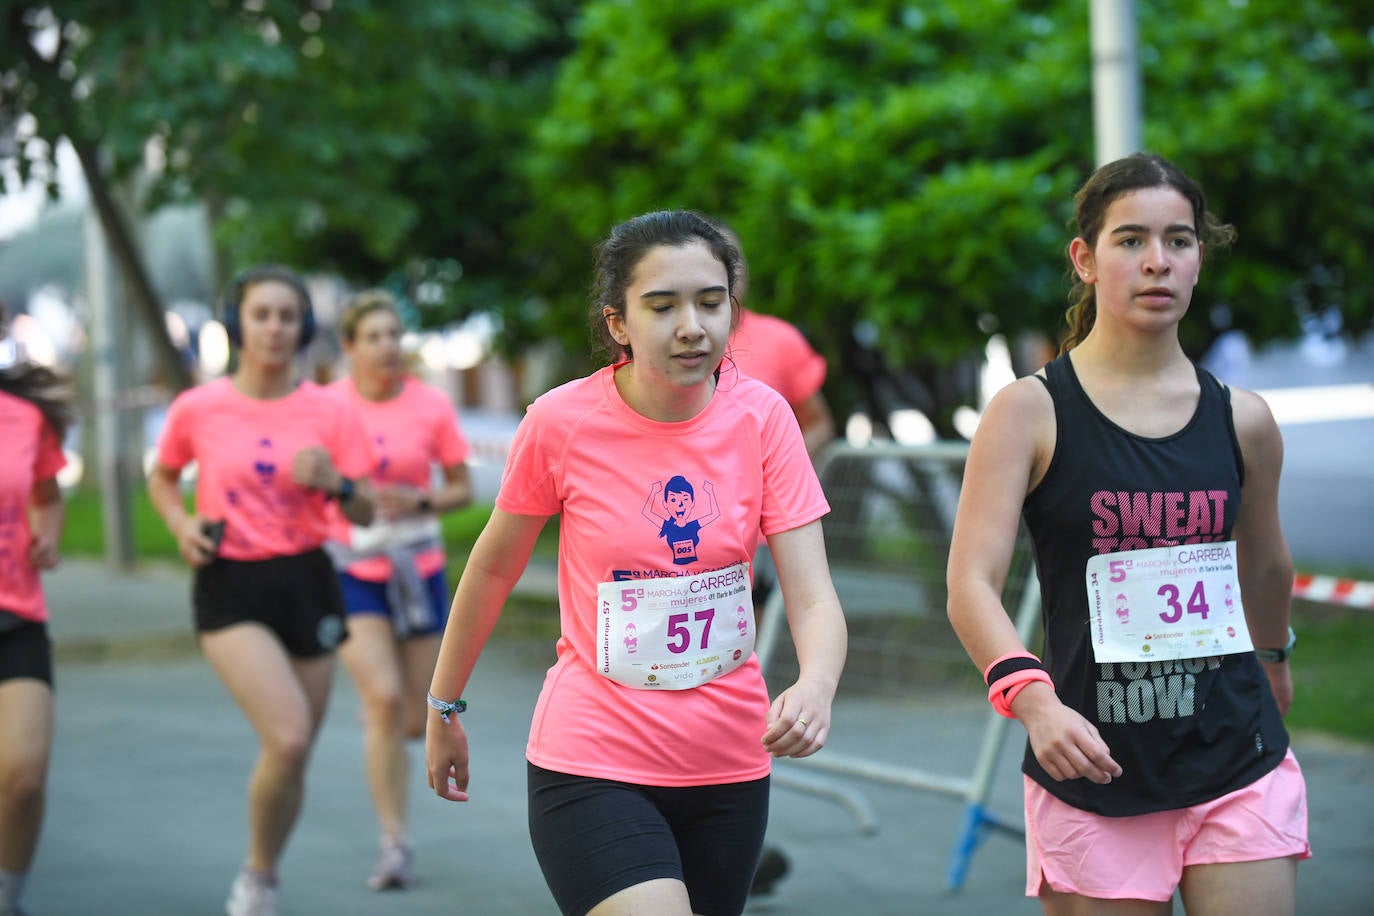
(147, 815)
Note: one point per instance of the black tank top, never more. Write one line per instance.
(1184, 732)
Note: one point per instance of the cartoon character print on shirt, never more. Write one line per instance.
(264, 465)
(275, 502)
(1138, 692)
(383, 459)
(631, 638)
(673, 514)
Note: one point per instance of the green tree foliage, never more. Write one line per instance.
(912, 165)
(353, 135)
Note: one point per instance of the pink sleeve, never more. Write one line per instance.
(806, 367)
(174, 449)
(528, 484)
(792, 494)
(49, 458)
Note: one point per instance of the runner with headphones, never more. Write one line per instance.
(272, 452)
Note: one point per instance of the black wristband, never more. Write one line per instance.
(1011, 666)
(346, 490)
(425, 504)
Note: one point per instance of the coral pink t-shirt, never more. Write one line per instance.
(32, 454)
(410, 433)
(582, 452)
(775, 352)
(244, 448)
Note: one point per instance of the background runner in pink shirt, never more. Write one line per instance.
(392, 574)
(663, 468)
(35, 410)
(271, 453)
(774, 351)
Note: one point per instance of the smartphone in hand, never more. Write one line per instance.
(214, 531)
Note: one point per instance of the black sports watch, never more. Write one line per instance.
(346, 490)
(1278, 655)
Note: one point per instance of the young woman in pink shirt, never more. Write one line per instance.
(272, 453)
(35, 410)
(392, 573)
(651, 742)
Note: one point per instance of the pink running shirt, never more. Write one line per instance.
(775, 352)
(32, 454)
(410, 433)
(244, 448)
(582, 452)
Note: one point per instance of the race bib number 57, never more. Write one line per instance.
(676, 632)
(1166, 603)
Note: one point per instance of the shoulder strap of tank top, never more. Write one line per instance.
(1211, 387)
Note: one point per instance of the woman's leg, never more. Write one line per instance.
(26, 730)
(1264, 888)
(419, 654)
(284, 699)
(1056, 904)
(371, 656)
(665, 896)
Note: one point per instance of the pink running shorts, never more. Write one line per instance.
(1143, 857)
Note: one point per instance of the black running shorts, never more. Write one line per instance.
(594, 837)
(297, 597)
(25, 650)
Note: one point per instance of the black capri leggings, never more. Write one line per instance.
(595, 837)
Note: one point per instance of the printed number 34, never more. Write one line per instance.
(680, 637)
(1197, 602)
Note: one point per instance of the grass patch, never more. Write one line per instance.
(1332, 677)
(84, 533)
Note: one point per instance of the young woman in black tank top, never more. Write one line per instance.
(1149, 769)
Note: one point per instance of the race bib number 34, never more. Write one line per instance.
(676, 632)
(1166, 603)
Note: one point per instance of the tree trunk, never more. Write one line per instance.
(173, 371)
(122, 245)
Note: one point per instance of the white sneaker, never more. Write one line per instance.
(251, 895)
(393, 869)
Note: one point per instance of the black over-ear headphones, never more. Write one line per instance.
(233, 296)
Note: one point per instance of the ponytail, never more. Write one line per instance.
(1080, 317)
(43, 388)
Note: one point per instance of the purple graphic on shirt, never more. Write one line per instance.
(674, 516)
(383, 459)
(263, 465)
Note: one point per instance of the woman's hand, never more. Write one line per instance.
(1067, 745)
(312, 467)
(798, 721)
(446, 757)
(196, 547)
(43, 551)
(395, 501)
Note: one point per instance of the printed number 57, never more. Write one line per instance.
(680, 637)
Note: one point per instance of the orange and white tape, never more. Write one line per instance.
(1333, 590)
